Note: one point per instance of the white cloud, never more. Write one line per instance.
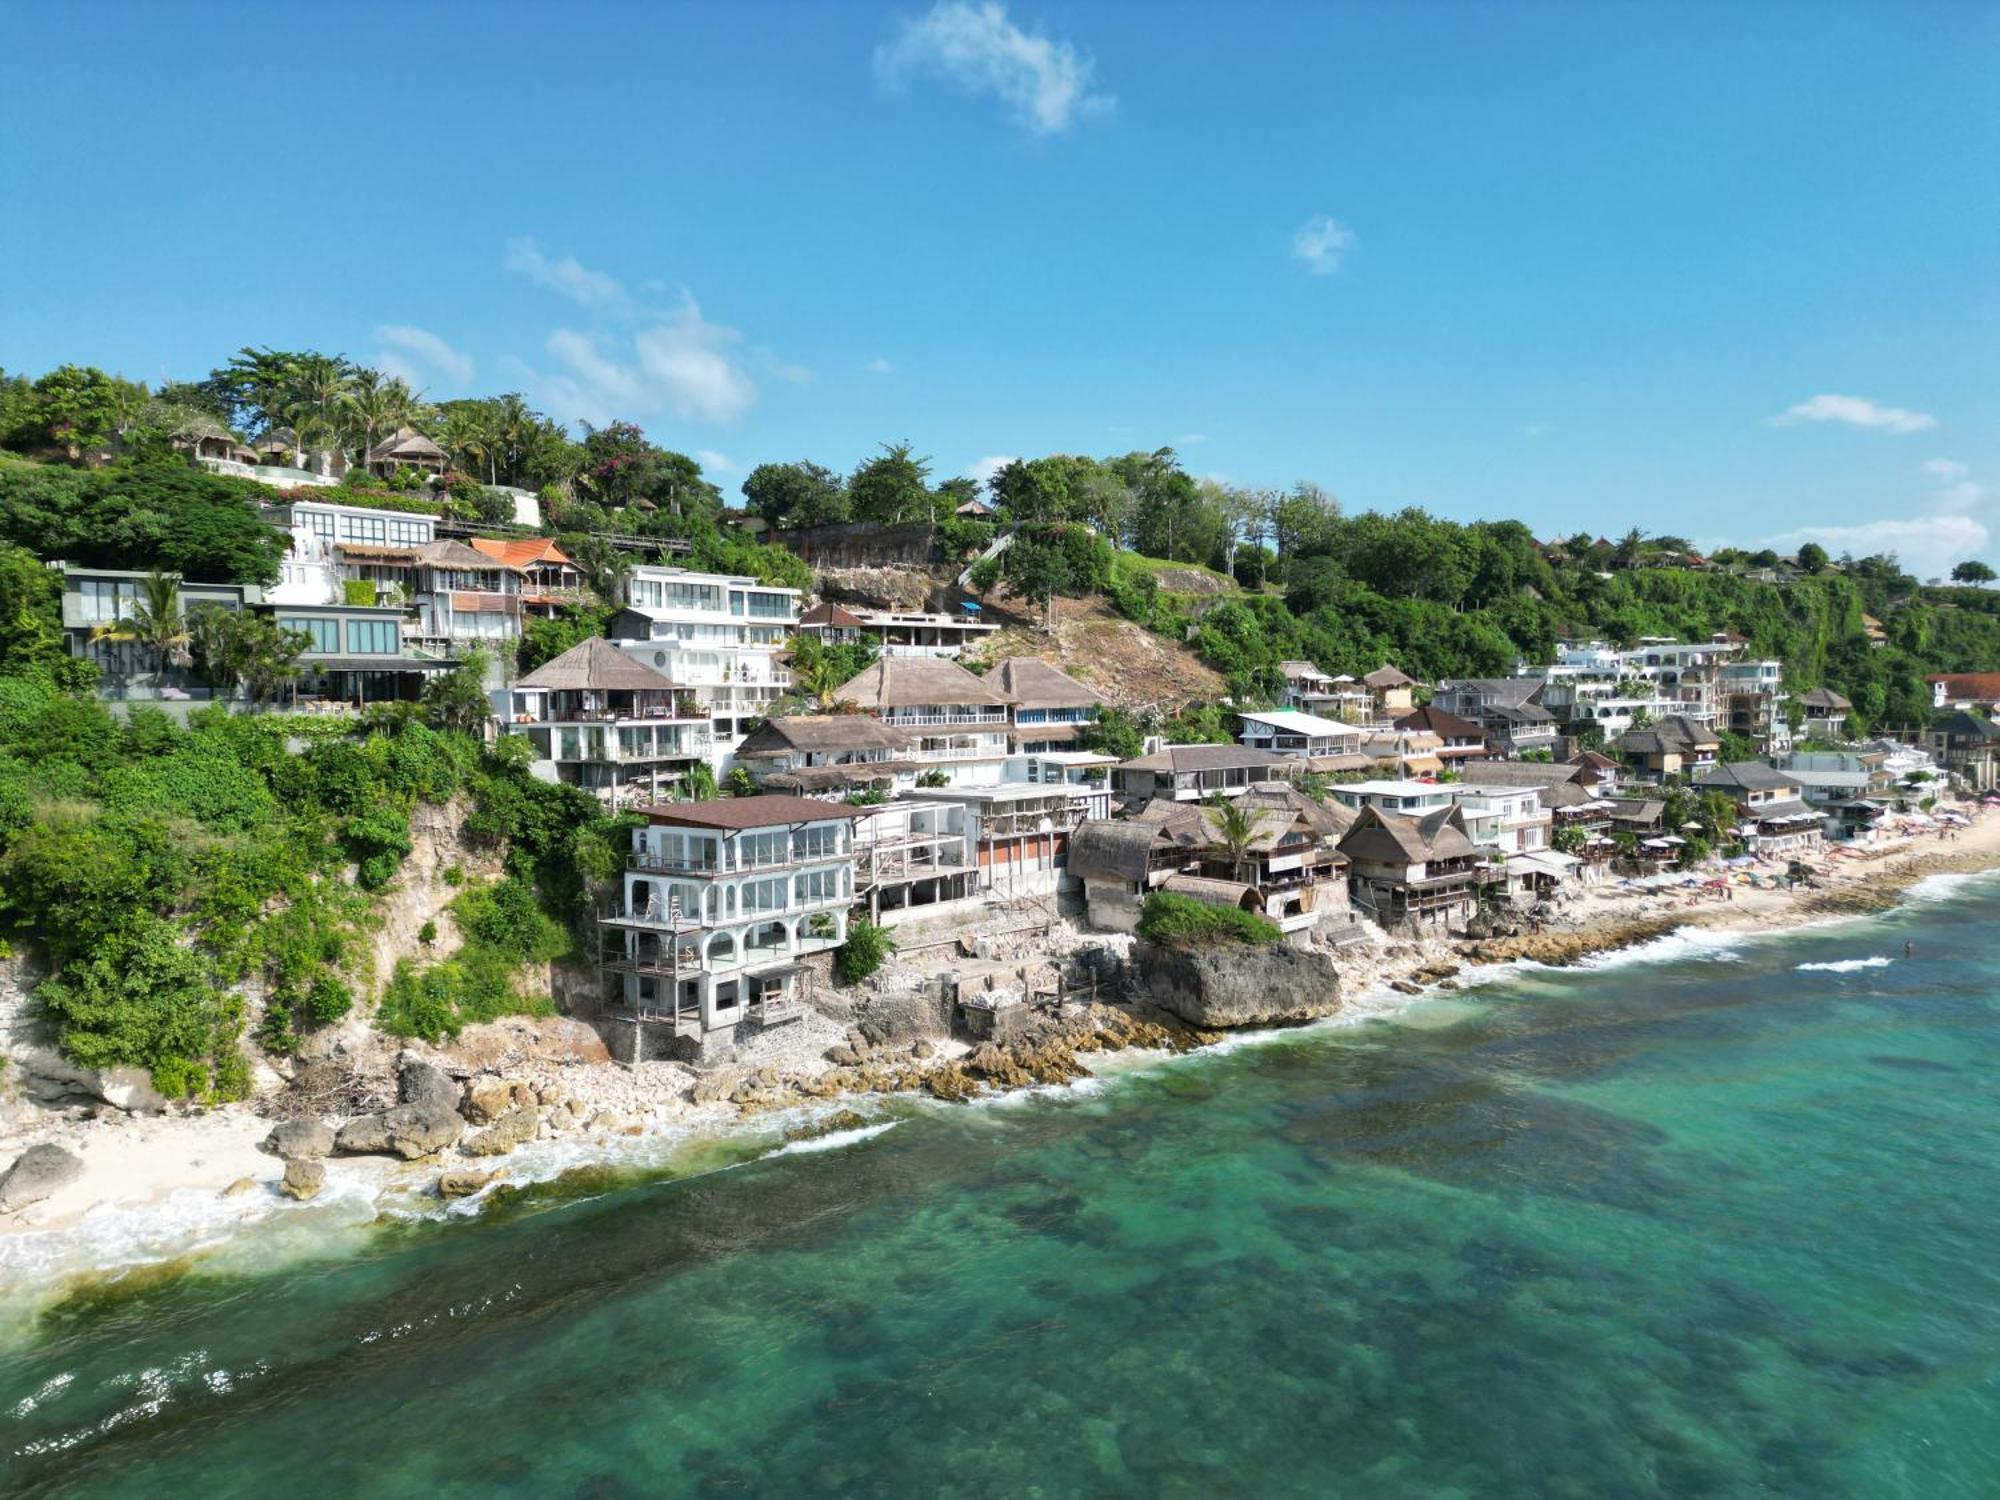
(879, 366)
(1322, 243)
(713, 462)
(986, 468)
(1958, 521)
(1855, 411)
(424, 347)
(683, 366)
(565, 274)
(1926, 545)
(1046, 83)
(1189, 439)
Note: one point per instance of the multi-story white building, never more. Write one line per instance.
(898, 632)
(1311, 691)
(958, 725)
(713, 633)
(1284, 731)
(1409, 799)
(720, 902)
(1510, 819)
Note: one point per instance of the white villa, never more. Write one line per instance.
(721, 900)
(898, 632)
(958, 724)
(716, 634)
(612, 725)
(1285, 731)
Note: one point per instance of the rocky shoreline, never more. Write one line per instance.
(445, 1122)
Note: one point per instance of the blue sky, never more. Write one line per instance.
(1569, 262)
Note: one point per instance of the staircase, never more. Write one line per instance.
(994, 548)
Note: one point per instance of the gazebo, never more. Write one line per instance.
(406, 448)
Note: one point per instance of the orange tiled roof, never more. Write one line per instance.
(520, 552)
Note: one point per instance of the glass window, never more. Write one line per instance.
(372, 637)
(325, 633)
(321, 522)
(367, 529)
(409, 533)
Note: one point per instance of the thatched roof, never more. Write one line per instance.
(821, 734)
(405, 442)
(914, 681)
(1212, 892)
(1329, 821)
(595, 663)
(1747, 776)
(1034, 683)
(1392, 839)
(1825, 699)
(1104, 849)
(1388, 677)
(450, 554)
(1537, 773)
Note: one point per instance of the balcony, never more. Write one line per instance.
(997, 717)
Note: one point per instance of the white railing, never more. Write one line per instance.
(995, 716)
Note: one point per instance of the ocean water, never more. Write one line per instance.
(1718, 1220)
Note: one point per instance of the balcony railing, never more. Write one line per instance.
(994, 716)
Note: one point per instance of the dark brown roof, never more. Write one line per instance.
(1391, 837)
(1445, 726)
(771, 811)
(829, 613)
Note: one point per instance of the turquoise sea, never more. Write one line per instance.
(1714, 1220)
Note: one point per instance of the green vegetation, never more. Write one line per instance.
(161, 866)
(867, 948)
(1175, 921)
(504, 928)
(156, 514)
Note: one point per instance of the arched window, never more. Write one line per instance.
(721, 950)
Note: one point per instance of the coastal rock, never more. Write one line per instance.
(37, 1174)
(242, 1187)
(419, 1082)
(300, 1140)
(1240, 986)
(486, 1100)
(922, 1048)
(462, 1182)
(408, 1131)
(515, 1128)
(303, 1179)
(843, 1056)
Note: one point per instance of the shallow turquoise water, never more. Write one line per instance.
(1707, 1226)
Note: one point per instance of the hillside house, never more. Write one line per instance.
(720, 903)
(406, 448)
(1423, 869)
(1311, 691)
(1967, 745)
(721, 635)
(1825, 714)
(1458, 739)
(829, 755)
(1674, 746)
(1191, 773)
(601, 721)
(1391, 693)
(911, 856)
(958, 724)
(1284, 731)
(1774, 821)
(550, 582)
(1048, 708)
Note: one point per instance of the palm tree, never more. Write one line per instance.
(376, 405)
(1234, 829)
(157, 623)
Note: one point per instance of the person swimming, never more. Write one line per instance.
(1909, 950)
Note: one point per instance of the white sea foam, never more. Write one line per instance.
(1846, 965)
(835, 1140)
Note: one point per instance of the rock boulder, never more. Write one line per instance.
(486, 1100)
(303, 1179)
(37, 1174)
(515, 1128)
(418, 1082)
(1220, 988)
(300, 1140)
(408, 1131)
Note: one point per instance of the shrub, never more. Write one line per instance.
(358, 590)
(867, 948)
(1176, 921)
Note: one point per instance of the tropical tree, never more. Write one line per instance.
(157, 624)
(375, 405)
(457, 699)
(1234, 829)
(797, 494)
(235, 646)
(892, 488)
(80, 409)
(1972, 572)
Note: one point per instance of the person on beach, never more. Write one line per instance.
(1909, 950)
